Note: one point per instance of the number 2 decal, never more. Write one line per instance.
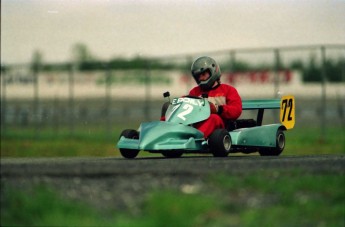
(287, 111)
(188, 109)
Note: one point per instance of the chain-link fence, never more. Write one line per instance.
(72, 97)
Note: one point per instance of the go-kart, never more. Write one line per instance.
(176, 135)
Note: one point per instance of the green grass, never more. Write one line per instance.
(263, 199)
(308, 140)
(43, 207)
(293, 199)
(83, 142)
(94, 141)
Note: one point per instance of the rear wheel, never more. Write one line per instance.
(172, 153)
(130, 134)
(220, 143)
(280, 145)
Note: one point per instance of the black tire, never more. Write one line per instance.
(130, 134)
(220, 143)
(280, 145)
(172, 153)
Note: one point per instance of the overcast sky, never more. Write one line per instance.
(112, 28)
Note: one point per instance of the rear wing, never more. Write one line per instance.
(286, 105)
(260, 104)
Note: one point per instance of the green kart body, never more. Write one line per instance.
(176, 135)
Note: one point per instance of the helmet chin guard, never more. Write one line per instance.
(201, 65)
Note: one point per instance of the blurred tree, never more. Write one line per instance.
(236, 66)
(297, 65)
(37, 60)
(334, 70)
(312, 72)
(81, 53)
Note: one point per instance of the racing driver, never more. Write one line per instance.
(225, 102)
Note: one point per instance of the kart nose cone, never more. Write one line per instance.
(161, 135)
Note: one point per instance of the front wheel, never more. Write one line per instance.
(130, 134)
(280, 145)
(220, 143)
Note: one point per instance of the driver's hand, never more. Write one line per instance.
(213, 108)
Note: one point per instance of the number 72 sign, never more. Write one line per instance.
(287, 111)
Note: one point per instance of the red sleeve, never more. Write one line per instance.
(233, 107)
(231, 103)
(195, 91)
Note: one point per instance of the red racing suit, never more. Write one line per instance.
(229, 107)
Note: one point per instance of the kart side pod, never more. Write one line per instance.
(263, 136)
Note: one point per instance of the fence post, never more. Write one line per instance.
(147, 91)
(323, 94)
(107, 101)
(232, 60)
(232, 69)
(189, 84)
(71, 72)
(341, 98)
(277, 67)
(3, 100)
(56, 115)
(35, 69)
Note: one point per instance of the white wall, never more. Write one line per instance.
(132, 85)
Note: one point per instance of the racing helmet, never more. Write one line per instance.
(203, 64)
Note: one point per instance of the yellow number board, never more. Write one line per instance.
(287, 111)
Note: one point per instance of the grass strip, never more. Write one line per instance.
(266, 198)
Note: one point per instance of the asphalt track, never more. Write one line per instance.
(123, 183)
(193, 165)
